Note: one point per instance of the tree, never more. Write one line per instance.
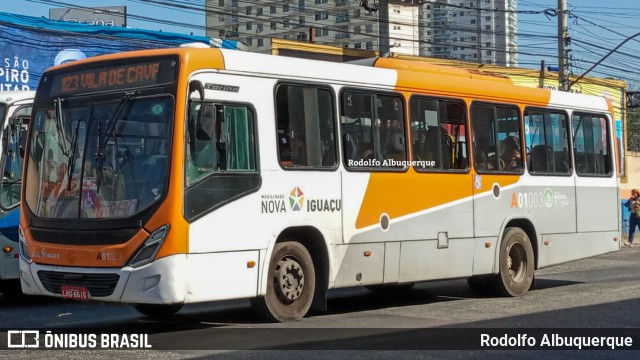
(633, 129)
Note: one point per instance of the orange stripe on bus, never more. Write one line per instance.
(402, 194)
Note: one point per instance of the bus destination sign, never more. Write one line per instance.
(112, 78)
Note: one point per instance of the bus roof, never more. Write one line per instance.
(389, 74)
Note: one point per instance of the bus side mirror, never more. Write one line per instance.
(196, 87)
(196, 96)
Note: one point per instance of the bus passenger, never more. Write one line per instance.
(367, 152)
(206, 156)
(482, 159)
(511, 154)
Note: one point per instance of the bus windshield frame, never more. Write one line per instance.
(104, 154)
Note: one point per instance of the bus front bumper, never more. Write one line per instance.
(155, 283)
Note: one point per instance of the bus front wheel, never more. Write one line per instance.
(291, 284)
(158, 310)
(516, 263)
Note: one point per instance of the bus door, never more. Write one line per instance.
(549, 193)
(596, 184)
(498, 163)
(307, 149)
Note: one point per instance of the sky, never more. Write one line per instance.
(595, 28)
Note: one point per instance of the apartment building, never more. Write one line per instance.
(472, 30)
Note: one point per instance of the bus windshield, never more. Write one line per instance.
(99, 159)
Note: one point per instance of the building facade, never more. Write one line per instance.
(483, 31)
(473, 30)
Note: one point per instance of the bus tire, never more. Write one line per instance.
(291, 284)
(516, 263)
(158, 310)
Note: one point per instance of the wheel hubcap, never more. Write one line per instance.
(289, 280)
(517, 262)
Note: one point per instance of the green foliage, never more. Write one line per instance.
(633, 129)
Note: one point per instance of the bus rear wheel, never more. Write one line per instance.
(158, 310)
(291, 283)
(516, 263)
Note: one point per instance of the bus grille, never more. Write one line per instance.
(98, 285)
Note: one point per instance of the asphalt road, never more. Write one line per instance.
(597, 297)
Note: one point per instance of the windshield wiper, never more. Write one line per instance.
(60, 126)
(62, 139)
(71, 161)
(99, 155)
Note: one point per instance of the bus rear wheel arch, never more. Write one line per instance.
(291, 283)
(516, 263)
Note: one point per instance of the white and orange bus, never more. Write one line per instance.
(167, 177)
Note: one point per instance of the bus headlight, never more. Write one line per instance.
(150, 248)
(22, 246)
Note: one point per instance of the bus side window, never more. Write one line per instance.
(591, 145)
(373, 130)
(305, 126)
(547, 142)
(496, 135)
(438, 134)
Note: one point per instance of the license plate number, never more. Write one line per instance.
(75, 292)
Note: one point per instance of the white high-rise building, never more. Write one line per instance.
(470, 30)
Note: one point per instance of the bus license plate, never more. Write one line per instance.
(75, 292)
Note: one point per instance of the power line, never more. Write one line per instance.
(201, 7)
(601, 60)
(250, 18)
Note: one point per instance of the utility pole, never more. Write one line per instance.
(479, 32)
(382, 7)
(383, 27)
(563, 39)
